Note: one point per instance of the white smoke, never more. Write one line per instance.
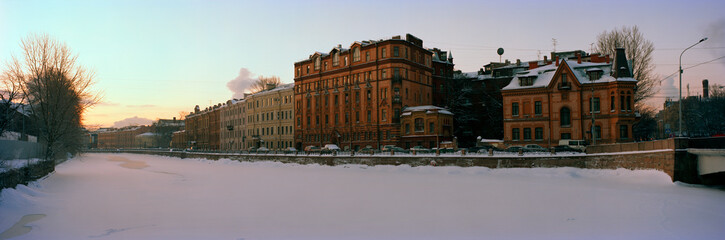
(241, 83)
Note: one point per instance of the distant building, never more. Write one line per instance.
(547, 103)
(203, 128)
(263, 119)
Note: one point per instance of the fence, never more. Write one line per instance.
(13, 149)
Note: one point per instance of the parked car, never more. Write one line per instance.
(368, 150)
(514, 148)
(262, 150)
(312, 148)
(566, 148)
(577, 144)
(420, 149)
(534, 148)
(290, 150)
(387, 148)
(329, 148)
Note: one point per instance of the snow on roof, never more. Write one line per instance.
(429, 109)
(545, 74)
(491, 140)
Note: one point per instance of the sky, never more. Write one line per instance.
(158, 59)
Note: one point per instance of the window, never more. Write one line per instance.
(327, 119)
(369, 116)
(597, 132)
(527, 134)
(367, 56)
(565, 117)
(396, 52)
(357, 117)
(336, 100)
(622, 104)
(594, 104)
(384, 115)
(539, 133)
(537, 107)
(612, 106)
(370, 95)
(623, 132)
(565, 135)
(383, 93)
(515, 134)
(317, 63)
(356, 54)
(563, 80)
(407, 128)
(515, 109)
(419, 125)
(431, 127)
(357, 97)
(629, 103)
(385, 53)
(337, 119)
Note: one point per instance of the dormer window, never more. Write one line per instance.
(356, 54)
(527, 81)
(317, 63)
(594, 74)
(336, 59)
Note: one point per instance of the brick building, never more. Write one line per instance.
(203, 128)
(425, 126)
(557, 101)
(354, 96)
(109, 138)
(442, 63)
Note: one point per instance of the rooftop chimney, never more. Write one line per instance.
(546, 61)
(578, 58)
(557, 60)
(533, 64)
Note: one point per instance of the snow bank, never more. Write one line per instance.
(94, 197)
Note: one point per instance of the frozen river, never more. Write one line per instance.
(129, 196)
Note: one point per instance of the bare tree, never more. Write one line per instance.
(264, 83)
(638, 49)
(57, 91)
(11, 98)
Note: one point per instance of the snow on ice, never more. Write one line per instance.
(129, 196)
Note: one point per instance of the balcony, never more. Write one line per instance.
(397, 79)
(564, 85)
(396, 99)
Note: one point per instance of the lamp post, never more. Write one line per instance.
(679, 129)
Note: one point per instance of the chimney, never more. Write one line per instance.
(578, 58)
(546, 61)
(607, 57)
(705, 89)
(557, 61)
(518, 62)
(533, 64)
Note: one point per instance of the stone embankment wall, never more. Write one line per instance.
(662, 160)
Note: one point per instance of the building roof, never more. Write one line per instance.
(429, 109)
(544, 74)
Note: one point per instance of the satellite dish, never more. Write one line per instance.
(500, 52)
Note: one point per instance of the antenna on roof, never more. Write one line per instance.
(554, 42)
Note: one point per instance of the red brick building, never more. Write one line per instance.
(203, 128)
(354, 96)
(557, 101)
(425, 126)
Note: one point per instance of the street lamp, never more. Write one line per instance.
(679, 129)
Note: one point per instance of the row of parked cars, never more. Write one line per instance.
(564, 146)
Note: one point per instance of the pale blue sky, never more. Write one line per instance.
(154, 59)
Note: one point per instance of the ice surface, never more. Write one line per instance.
(95, 197)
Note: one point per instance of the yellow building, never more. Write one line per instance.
(263, 119)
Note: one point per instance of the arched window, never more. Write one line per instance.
(336, 59)
(565, 117)
(317, 63)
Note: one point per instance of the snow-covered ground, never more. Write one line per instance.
(6, 165)
(128, 196)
